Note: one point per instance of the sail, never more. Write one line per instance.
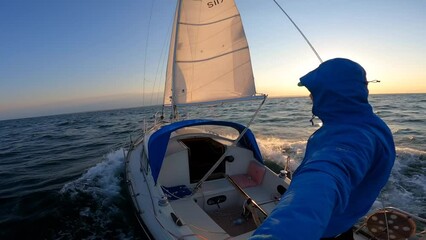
(209, 58)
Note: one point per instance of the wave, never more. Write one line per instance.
(282, 150)
(405, 188)
(99, 182)
(96, 203)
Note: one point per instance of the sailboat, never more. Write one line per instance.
(185, 179)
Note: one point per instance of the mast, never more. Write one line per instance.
(178, 12)
(170, 86)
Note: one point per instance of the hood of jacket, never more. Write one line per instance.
(339, 90)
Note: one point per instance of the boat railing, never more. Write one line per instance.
(250, 203)
(146, 127)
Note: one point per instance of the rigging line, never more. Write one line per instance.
(300, 31)
(234, 143)
(146, 54)
(161, 63)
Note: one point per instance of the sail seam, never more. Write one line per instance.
(214, 102)
(209, 23)
(207, 59)
(219, 77)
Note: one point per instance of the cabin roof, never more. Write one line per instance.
(158, 141)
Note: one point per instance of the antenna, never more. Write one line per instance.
(374, 81)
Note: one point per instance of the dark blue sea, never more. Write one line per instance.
(61, 177)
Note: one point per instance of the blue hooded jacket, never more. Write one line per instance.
(347, 161)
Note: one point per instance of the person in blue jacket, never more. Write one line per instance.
(346, 164)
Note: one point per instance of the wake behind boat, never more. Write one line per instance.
(188, 179)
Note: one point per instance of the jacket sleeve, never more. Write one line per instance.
(320, 188)
(304, 211)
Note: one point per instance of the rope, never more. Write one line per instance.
(386, 218)
(173, 195)
(160, 73)
(146, 49)
(205, 230)
(300, 31)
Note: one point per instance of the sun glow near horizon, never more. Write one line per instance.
(55, 62)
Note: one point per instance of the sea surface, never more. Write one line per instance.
(61, 177)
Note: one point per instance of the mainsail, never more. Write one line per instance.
(209, 58)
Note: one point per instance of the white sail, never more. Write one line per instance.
(209, 58)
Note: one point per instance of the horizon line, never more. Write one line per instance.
(158, 105)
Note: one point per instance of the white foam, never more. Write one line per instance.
(96, 196)
(278, 150)
(101, 181)
(410, 151)
(405, 188)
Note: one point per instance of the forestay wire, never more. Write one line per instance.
(146, 54)
(300, 31)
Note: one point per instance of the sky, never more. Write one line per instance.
(64, 56)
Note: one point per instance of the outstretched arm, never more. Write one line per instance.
(304, 210)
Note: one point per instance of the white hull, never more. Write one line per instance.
(210, 212)
(213, 210)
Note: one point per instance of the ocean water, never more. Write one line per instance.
(61, 177)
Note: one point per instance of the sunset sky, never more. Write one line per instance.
(62, 56)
